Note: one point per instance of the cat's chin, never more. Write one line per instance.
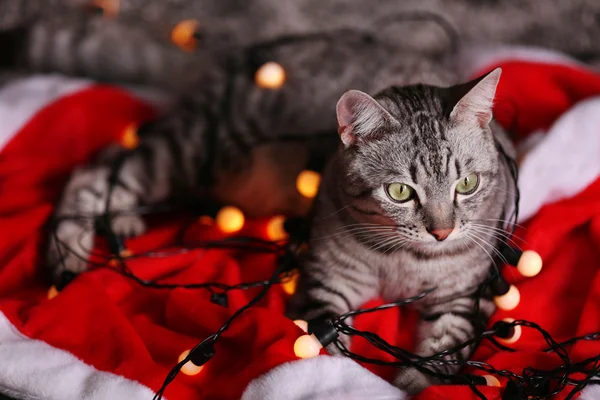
(433, 248)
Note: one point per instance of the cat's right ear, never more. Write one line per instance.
(359, 117)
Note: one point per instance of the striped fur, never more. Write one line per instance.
(135, 47)
(364, 245)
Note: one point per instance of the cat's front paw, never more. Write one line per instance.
(412, 380)
(69, 248)
(128, 225)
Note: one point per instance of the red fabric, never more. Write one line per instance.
(115, 325)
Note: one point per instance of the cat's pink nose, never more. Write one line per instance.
(441, 234)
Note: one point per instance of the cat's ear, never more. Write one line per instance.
(359, 117)
(475, 99)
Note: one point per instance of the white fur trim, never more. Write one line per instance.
(32, 369)
(565, 162)
(321, 378)
(21, 99)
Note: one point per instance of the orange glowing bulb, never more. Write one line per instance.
(275, 230)
(302, 324)
(230, 219)
(509, 300)
(189, 368)
(125, 253)
(530, 263)
(516, 332)
(308, 183)
(110, 8)
(289, 286)
(206, 220)
(130, 139)
(182, 35)
(307, 346)
(270, 76)
(52, 292)
(491, 380)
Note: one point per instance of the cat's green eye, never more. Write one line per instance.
(399, 192)
(468, 184)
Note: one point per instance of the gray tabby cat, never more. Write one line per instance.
(414, 199)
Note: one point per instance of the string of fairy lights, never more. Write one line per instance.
(287, 241)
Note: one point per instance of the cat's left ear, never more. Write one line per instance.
(360, 117)
(475, 99)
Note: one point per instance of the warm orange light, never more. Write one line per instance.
(308, 183)
(206, 220)
(530, 263)
(270, 76)
(307, 346)
(275, 230)
(230, 219)
(182, 35)
(130, 139)
(302, 324)
(110, 8)
(492, 380)
(125, 253)
(509, 300)
(289, 286)
(515, 331)
(52, 292)
(189, 368)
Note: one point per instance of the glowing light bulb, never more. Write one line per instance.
(530, 263)
(110, 8)
(275, 230)
(182, 35)
(52, 292)
(509, 300)
(308, 183)
(130, 139)
(307, 346)
(491, 380)
(302, 324)
(515, 332)
(206, 220)
(270, 76)
(125, 253)
(289, 286)
(189, 368)
(230, 219)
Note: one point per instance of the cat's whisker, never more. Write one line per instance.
(493, 236)
(343, 233)
(492, 247)
(401, 245)
(335, 212)
(385, 243)
(496, 229)
(360, 232)
(468, 235)
(496, 233)
(501, 220)
(393, 244)
(500, 232)
(380, 244)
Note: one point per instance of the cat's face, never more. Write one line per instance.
(427, 179)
